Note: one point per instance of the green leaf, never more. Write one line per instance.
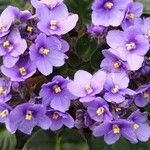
(146, 5)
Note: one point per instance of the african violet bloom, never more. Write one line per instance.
(56, 94)
(112, 131)
(130, 45)
(112, 63)
(140, 127)
(134, 11)
(109, 12)
(142, 97)
(26, 116)
(58, 119)
(48, 52)
(86, 86)
(23, 69)
(116, 87)
(98, 110)
(11, 47)
(5, 86)
(4, 112)
(57, 22)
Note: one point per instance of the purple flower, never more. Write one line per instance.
(4, 112)
(26, 116)
(134, 11)
(5, 86)
(116, 87)
(112, 131)
(56, 94)
(140, 127)
(23, 69)
(48, 52)
(85, 86)
(58, 21)
(58, 119)
(11, 47)
(109, 12)
(130, 45)
(142, 97)
(112, 63)
(98, 110)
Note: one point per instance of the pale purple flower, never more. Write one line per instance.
(86, 86)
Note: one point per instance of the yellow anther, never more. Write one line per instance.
(1, 26)
(131, 16)
(28, 115)
(4, 113)
(44, 51)
(115, 89)
(117, 64)
(53, 24)
(148, 33)
(7, 45)
(29, 28)
(88, 88)
(135, 126)
(23, 71)
(116, 129)
(109, 5)
(130, 46)
(48, 2)
(146, 95)
(2, 90)
(118, 109)
(57, 89)
(55, 116)
(100, 111)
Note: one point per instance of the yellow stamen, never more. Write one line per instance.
(116, 129)
(53, 24)
(44, 51)
(88, 88)
(57, 89)
(100, 111)
(135, 126)
(148, 33)
(2, 90)
(118, 109)
(29, 29)
(7, 45)
(55, 116)
(109, 5)
(1, 26)
(115, 89)
(117, 64)
(146, 95)
(130, 46)
(4, 113)
(28, 115)
(23, 71)
(131, 16)
(48, 2)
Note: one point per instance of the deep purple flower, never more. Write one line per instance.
(58, 21)
(142, 97)
(140, 127)
(112, 131)
(98, 110)
(116, 87)
(86, 86)
(109, 12)
(5, 86)
(112, 63)
(4, 112)
(58, 119)
(56, 94)
(23, 69)
(130, 45)
(134, 11)
(48, 52)
(26, 116)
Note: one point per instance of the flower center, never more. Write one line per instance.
(44, 51)
(108, 5)
(1, 27)
(55, 116)
(29, 29)
(2, 90)
(23, 71)
(100, 111)
(146, 95)
(131, 16)
(148, 33)
(4, 113)
(48, 2)
(53, 24)
(135, 126)
(57, 89)
(130, 46)
(115, 89)
(118, 109)
(29, 115)
(117, 64)
(7, 45)
(88, 88)
(116, 129)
